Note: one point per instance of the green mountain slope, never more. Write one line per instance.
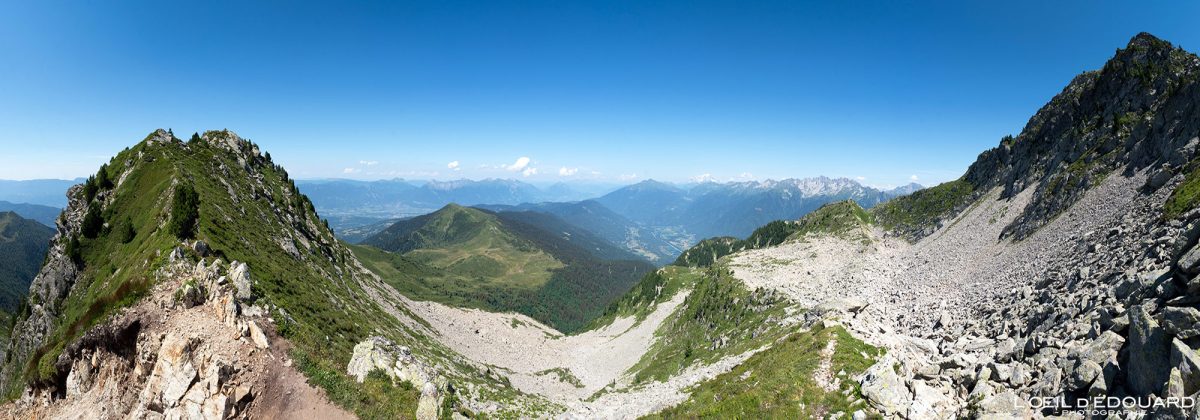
(23, 244)
(595, 218)
(134, 215)
(843, 218)
(528, 262)
(468, 243)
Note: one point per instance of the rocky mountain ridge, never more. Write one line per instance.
(1057, 267)
(120, 275)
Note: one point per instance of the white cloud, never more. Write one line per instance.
(351, 170)
(703, 178)
(913, 178)
(518, 166)
(861, 178)
(565, 171)
(368, 162)
(453, 165)
(746, 175)
(627, 177)
(529, 171)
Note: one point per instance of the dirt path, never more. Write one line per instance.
(824, 374)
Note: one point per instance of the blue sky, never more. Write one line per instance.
(612, 90)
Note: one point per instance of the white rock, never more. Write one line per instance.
(257, 335)
(239, 275)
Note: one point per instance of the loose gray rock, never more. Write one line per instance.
(1149, 351)
(1187, 363)
(1005, 405)
(885, 390)
(1181, 322)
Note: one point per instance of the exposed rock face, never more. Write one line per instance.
(239, 274)
(1131, 115)
(398, 363)
(885, 390)
(165, 361)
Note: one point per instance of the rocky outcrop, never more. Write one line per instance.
(163, 360)
(1135, 113)
(884, 389)
(239, 274)
(399, 364)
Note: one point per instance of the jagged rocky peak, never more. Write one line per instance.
(224, 138)
(231, 141)
(1127, 116)
(161, 136)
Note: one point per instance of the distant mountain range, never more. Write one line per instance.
(654, 220)
(349, 203)
(651, 244)
(737, 208)
(46, 192)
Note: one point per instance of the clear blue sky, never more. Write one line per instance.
(669, 90)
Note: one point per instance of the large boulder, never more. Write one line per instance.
(1149, 350)
(1102, 349)
(427, 406)
(884, 389)
(378, 353)
(239, 275)
(371, 354)
(930, 403)
(1181, 322)
(1186, 362)
(258, 336)
(1005, 405)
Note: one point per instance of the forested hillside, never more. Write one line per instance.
(526, 262)
(23, 245)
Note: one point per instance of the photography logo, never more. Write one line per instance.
(1104, 406)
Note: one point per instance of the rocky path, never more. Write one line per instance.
(824, 373)
(188, 350)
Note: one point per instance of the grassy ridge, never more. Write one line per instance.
(654, 288)
(720, 317)
(780, 381)
(923, 209)
(249, 210)
(114, 271)
(1186, 195)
